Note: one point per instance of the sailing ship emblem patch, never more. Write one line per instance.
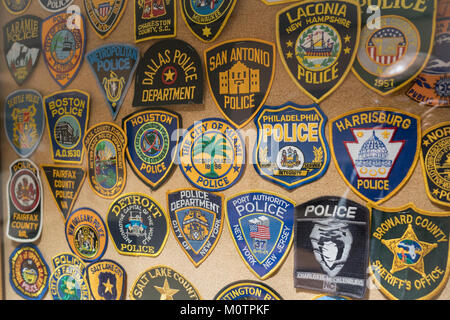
(104, 15)
(16, 6)
(106, 280)
(154, 19)
(55, 5)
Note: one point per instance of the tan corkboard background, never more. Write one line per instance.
(252, 19)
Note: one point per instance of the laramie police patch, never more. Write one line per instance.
(331, 246)
(154, 19)
(247, 290)
(106, 280)
(104, 15)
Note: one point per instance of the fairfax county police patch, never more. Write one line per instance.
(317, 41)
(55, 5)
(375, 150)
(262, 226)
(409, 251)
(154, 19)
(331, 246)
(196, 220)
(24, 121)
(247, 290)
(106, 280)
(104, 15)
(291, 148)
(16, 6)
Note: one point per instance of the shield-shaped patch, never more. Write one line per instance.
(154, 19)
(104, 15)
(106, 280)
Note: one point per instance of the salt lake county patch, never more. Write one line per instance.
(170, 72)
(106, 280)
(153, 137)
(331, 246)
(24, 121)
(138, 225)
(55, 5)
(104, 15)
(395, 44)
(409, 251)
(240, 73)
(211, 154)
(105, 145)
(317, 42)
(196, 220)
(68, 283)
(16, 6)
(375, 150)
(113, 66)
(291, 148)
(262, 226)
(154, 19)
(247, 290)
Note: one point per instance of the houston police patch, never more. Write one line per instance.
(104, 16)
(247, 290)
(106, 280)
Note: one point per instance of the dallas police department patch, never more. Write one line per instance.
(409, 251)
(206, 18)
(55, 5)
(104, 15)
(169, 73)
(240, 73)
(105, 144)
(65, 183)
(113, 66)
(375, 150)
(138, 225)
(331, 246)
(262, 226)
(24, 194)
(163, 283)
(106, 280)
(28, 272)
(24, 121)
(63, 44)
(291, 148)
(16, 6)
(154, 19)
(396, 42)
(86, 234)
(247, 290)
(67, 282)
(211, 154)
(22, 46)
(197, 220)
(317, 42)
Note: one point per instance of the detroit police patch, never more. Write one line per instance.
(247, 290)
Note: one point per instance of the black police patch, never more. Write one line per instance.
(55, 5)
(154, 19)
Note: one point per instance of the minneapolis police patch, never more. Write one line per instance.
(106, 280)
(247, 290)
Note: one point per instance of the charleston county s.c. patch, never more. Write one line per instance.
(247, 290)
(55, 5)
(104, 16)
(154, 19)
(16, 6)
(106, 280)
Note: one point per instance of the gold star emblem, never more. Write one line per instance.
(347, 50)
(166, 292)
(168, 75)
(289, 55)
(206, 31)
(289, 44)
(347, 38)
(108, 286)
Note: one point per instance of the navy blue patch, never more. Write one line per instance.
(106, 280)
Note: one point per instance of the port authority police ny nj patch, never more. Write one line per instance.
(247, 290)
(106, 280)
(375, 150)
(104, 15)
(154, 19)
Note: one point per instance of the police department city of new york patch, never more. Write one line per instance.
(262, 226)
(291, 148)
(16, 6)
(247, 290)
(206, 18)
(395, 44)
(113, 66)
(317, 42)
(24, 121)
(196, 220)
(170, 72)
(375, 150)
(409, 251)
(331, 246)
(154, 19)
(240, 73)
(55, 5)
(104, 16)
(106, 279)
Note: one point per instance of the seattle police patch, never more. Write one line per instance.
(375, 150)
(331, 246)
(55, 5)
(247, 290)
(154, 19)
(291, 148)
(106, 280)
(104, 15)
(262, 226)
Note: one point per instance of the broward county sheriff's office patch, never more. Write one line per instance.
(206, 18)
(196, 220)
(375, 150)
(247, 290)
(105, 15)
(16, 6)
(138, 225)
(24, 121)
(409, 251)
(25, 208)
(211, 154)
(105, 145)
(240, 73)
(55, 5)
(67, 114)
(106, 280)
(291, 148)
(262, 226)
(170, 72)
(113, 66)
(154, 19)
(28, 272)
(331, 246)
(163, 283)
(317, 42)
(395, 44)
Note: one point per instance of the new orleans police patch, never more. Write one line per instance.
(104, 16)
(331, 246)
(106, 280)
(55, 5)
(375, 150)
(240, 73)
(24, 121)
(317, 41)
(409, 251)
(16, 6)
(247, 290)
(291, 148)
(113, 66)
(154, 19)
(196, 221)
(211, 154)
(262, 226)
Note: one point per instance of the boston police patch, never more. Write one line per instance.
(106, 280)
(104, 15)
(247, 290)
